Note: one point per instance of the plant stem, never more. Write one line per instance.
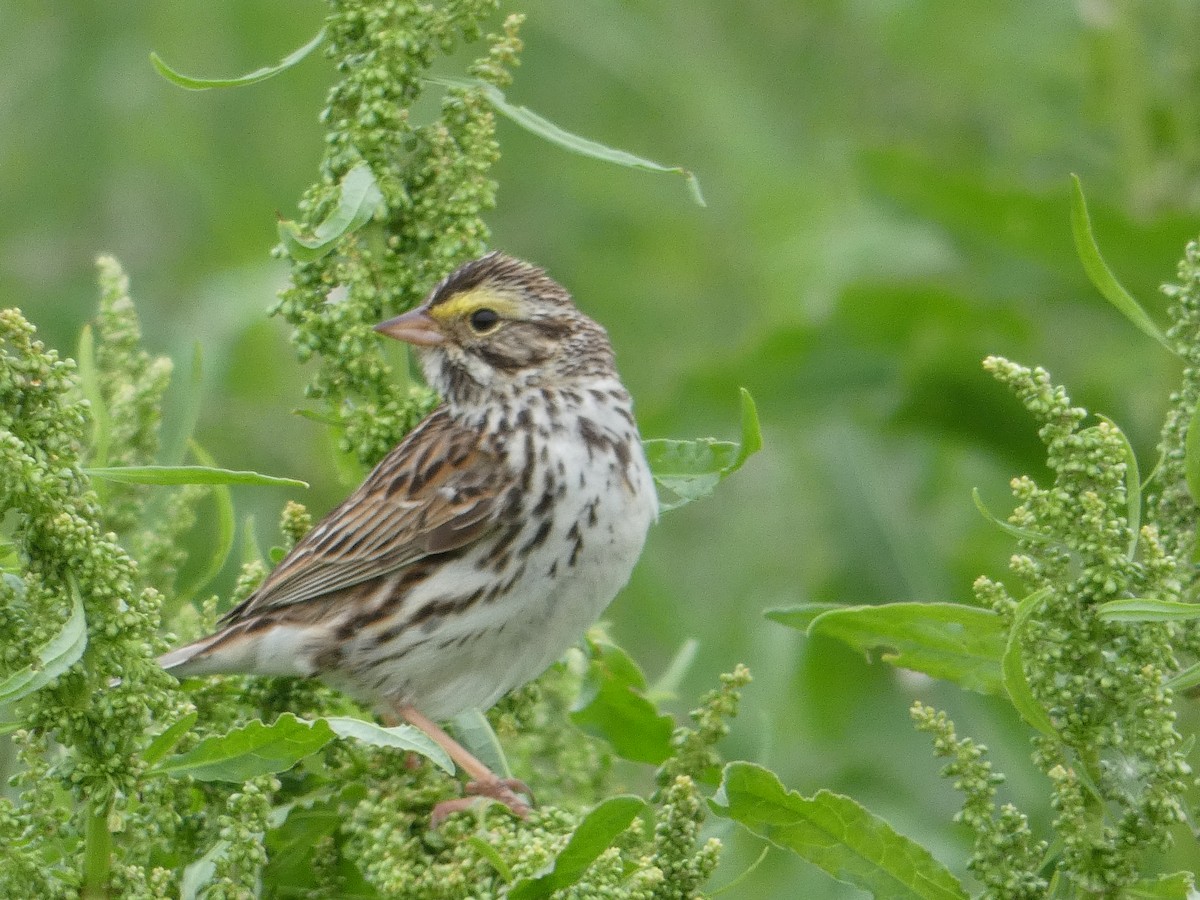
(97, 857)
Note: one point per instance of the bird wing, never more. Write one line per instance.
(438, 490)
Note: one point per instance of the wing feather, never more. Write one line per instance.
(438, 490)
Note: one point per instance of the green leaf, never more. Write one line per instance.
(89, 384)
(251, 749)
(492, 855)
(612, 705)
(1186, 679)
(834, 833)
(401, 737)
(1176, 886)
(197, 875)
(667, 685)
(53, 658)
(359, 199)
(226, 525)
(166, 741)
(959, 643)
(1098, 271)
(801, 615)
(1021, 534)
(166, 475)
(191, 83)
(547, 130)
(1141, 609)
(1013, 666)
(689, 470)
(475, 732)
(592, 837)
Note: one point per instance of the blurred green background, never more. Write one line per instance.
(887, 204)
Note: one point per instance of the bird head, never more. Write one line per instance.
(499, 326)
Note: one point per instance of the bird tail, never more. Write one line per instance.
(195, 658)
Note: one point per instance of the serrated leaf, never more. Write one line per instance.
(401, 737)
(359, 198)
(192, 83)
(1141, 609)
(547, 130)
(959, 643)
(1100, 274)
(612, 705)
(53, 658)
(834, 833)
(171, 475)
(251, 749)
(591, 837)
(689, 470)
(165, 742)
(1016, 684)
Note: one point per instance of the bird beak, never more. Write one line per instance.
(414, 327)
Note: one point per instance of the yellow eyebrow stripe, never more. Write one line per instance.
(462, 305)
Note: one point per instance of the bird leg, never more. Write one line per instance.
(484, 782)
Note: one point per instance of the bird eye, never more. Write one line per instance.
(484, 320)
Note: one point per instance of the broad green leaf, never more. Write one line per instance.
(689, 470)
(959, 643)
(1098, 271)
(402, 737)
(612, 705)
(165, 742)
(1176, 886)
(53, 658)
(359, 198)
(251, 749)
(89, 384)
(475, 732)
(167, 475)
(1013, 666)
(547, 130)
(592, 837)
(834, 833)
(1021, 534)
(801, 615)
(191, 83)
(1141, 609)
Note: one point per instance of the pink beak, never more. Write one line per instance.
(414, 327)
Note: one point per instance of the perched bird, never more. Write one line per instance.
(485, 543)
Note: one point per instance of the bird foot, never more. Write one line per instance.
(503, 790)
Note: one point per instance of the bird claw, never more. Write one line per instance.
(503, 790)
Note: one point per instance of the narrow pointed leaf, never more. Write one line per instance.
(165, 742)
(1013, 665)
(401, 737)
(1100, 274)
(226, 526)
(53, 658)
(358, 201)
(592, 836)
(953, 641)
(475, 732)
(168, 475)
(547, 130)
(1186, 679)
(1140, 609)
(1021, 534)
(192, 83)
(689, 470)
(834, 833)
(249, 750)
